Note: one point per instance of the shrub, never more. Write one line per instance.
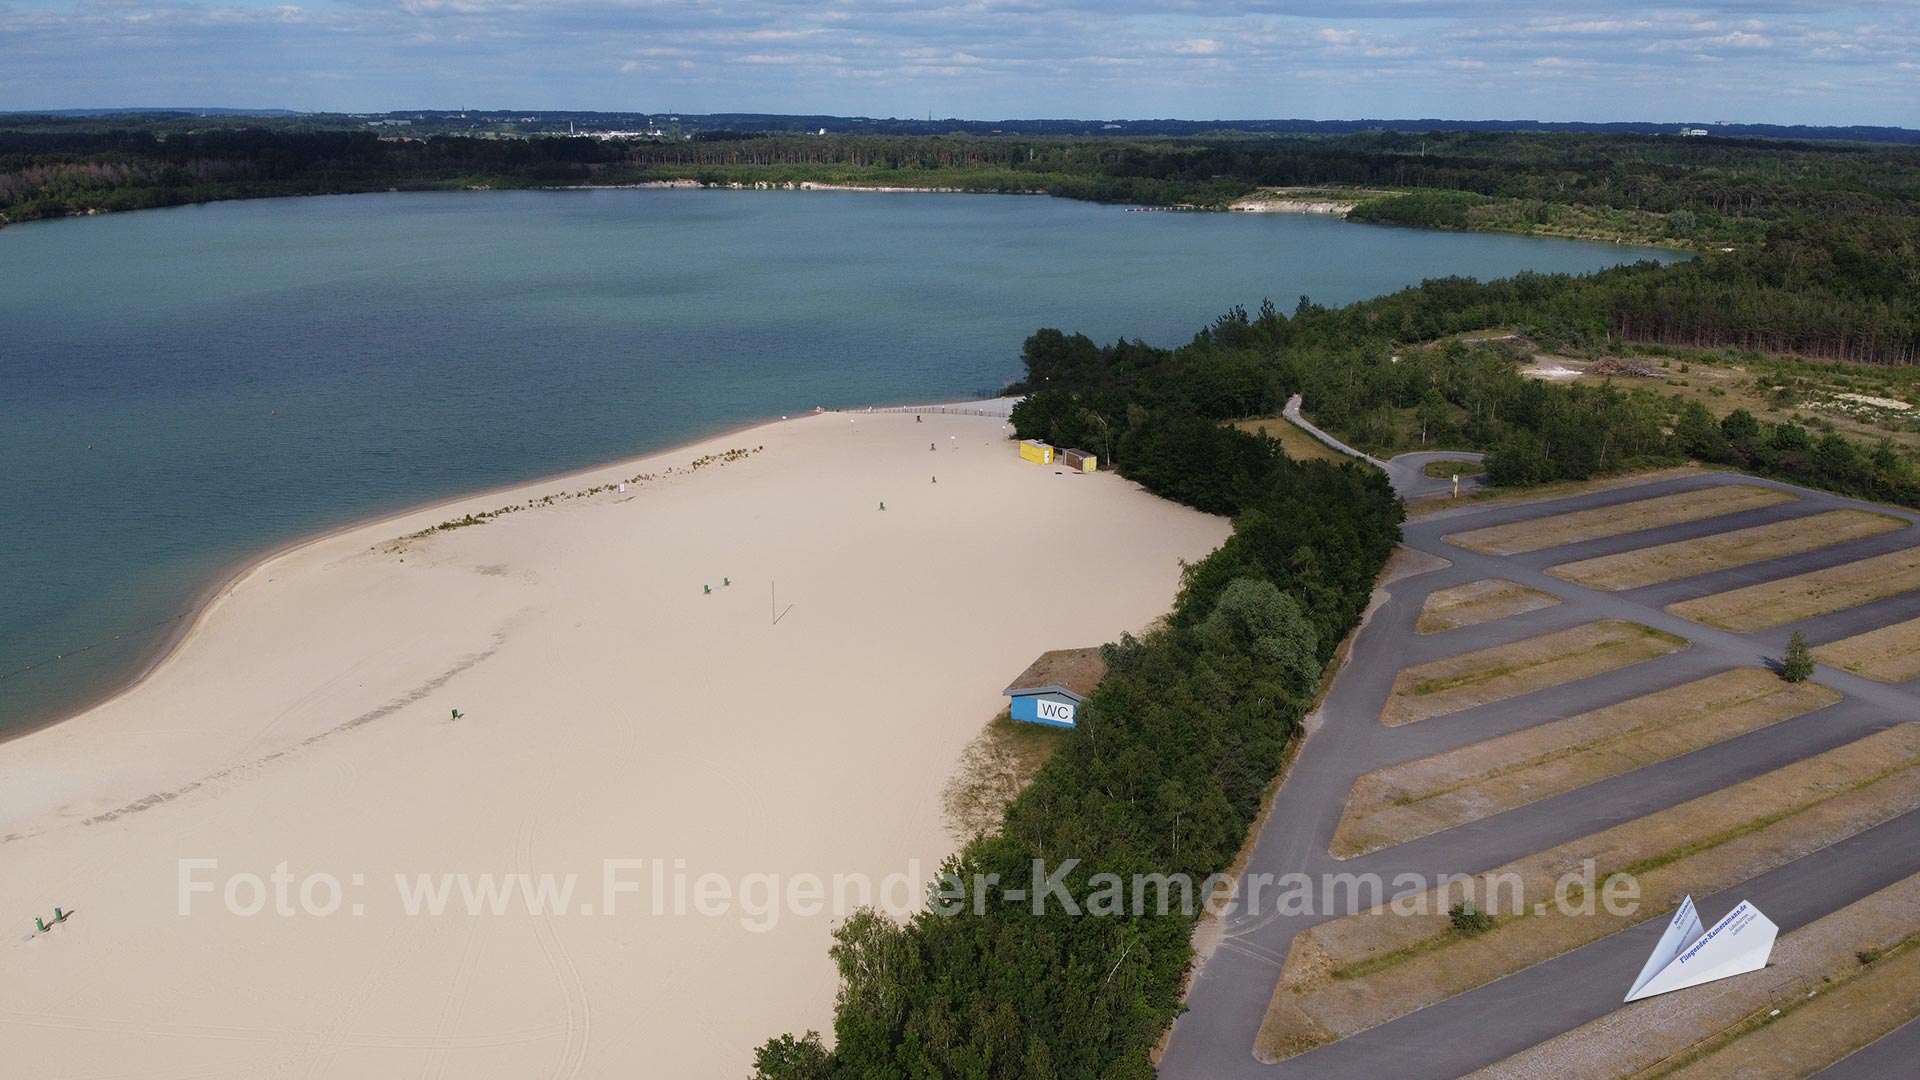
(1469, 920)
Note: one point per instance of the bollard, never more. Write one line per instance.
(42, 926)
(706, 590)
(883, 504)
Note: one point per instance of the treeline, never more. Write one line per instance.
(1391, 374)
(1847, 291)
(1163, 775)
(1709, 179)
(54, 174)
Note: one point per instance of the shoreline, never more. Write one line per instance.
(169, 644)
(570, 695)
(1337, 209)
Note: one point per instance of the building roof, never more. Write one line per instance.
(1073, 672)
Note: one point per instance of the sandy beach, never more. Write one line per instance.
(616, 723)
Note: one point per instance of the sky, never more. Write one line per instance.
(1769, 61)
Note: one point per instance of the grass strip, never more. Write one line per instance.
(1890, 654)
(1494, 674)
(1478, 602)
(1418, 798)
(1691, 558)
(1803, 596)
(1537, 534)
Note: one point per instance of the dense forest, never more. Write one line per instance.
(1163, 774)
(1364, 373)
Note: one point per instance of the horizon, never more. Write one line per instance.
(1795, 64)
(1225, 123)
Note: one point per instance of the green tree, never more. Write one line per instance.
(1255, 617)
(1433, 415)
(1697, 434)
(1741, 429)
(1797, 665)
(788, 1058)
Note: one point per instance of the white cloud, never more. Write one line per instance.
(987, 58)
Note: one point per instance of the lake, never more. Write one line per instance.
(182, 389)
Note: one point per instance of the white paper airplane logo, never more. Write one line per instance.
(1687, 956)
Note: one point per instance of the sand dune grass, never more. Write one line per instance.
(1417, 798)
(1521, 667)
(994, 768)
(1789, 600)
(1538, 534)
(1477, 602)
(1361, 970)
(1690, 558)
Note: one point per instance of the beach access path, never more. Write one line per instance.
(1407, 472)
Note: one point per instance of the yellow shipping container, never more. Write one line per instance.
(1036, 451)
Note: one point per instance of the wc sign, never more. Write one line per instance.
(1034, 709)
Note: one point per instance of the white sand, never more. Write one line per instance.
(612, 711)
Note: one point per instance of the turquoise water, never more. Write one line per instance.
(182, 388)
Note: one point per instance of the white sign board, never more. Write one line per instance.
(1737, 944)
(1060, 712)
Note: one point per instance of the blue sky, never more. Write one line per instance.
(1781, 62)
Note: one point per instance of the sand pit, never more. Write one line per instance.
(1689, 558)
(1476, 602)
(1504, 671)
(1538, 534)
(610, 708)
(1789, 600)
(1421, 797)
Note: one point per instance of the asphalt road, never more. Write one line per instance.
(1893, 1055)
(1406, 472)
(1229, 996)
